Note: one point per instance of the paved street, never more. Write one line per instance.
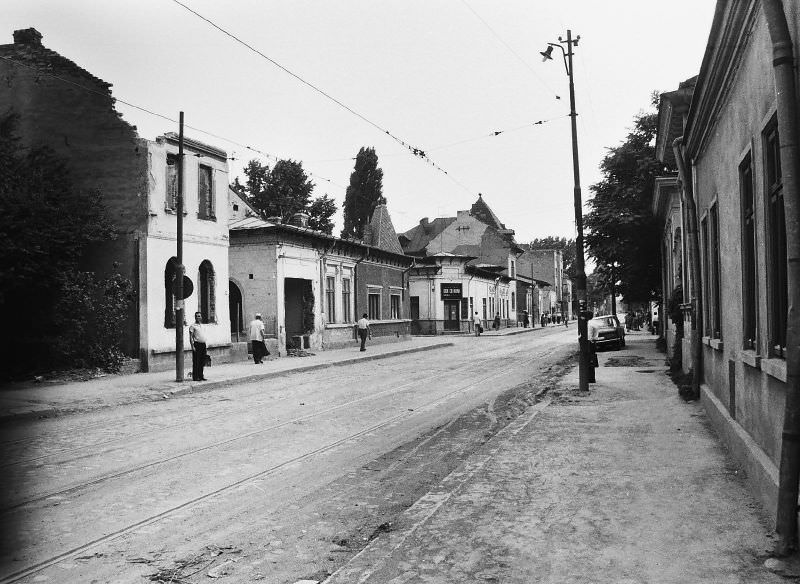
(269, 473)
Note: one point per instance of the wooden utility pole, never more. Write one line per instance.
(181, 269)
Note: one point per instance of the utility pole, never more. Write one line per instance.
(580, 266)
(181, 269)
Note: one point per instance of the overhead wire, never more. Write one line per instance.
(159, 115)
(496, 133)
(417, 152)
(511, 49)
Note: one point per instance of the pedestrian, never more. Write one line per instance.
(197, 338)
(364, 331)
(478, 326)
(566, 321)
(525, 320)
(543, 320)
(496, 324)
(257, 336)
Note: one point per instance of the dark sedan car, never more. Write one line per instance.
(609, 331)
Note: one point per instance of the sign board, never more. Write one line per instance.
(188, 287)
(451, 291)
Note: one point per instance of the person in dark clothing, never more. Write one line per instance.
(496, 325)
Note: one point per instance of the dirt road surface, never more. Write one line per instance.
(274, 481)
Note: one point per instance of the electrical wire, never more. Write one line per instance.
(497, 133)
(511, 49)
(417, 152)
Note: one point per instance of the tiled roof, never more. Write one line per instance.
(420, 236)
(481, 211)
(380, 232)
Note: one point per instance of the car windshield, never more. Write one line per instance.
(605, 321)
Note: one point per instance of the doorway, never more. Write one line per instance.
(451, 321)
(298, 302)
(237, 315)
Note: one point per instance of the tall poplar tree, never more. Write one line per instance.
(364, 193)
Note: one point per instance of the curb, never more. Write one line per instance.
(195, 387)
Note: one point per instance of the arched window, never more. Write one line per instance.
(513, 301)
(206, 300)
(169, 297)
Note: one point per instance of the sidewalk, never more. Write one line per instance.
(50, 399)
(626, 484)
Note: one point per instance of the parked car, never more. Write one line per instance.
(609, 331)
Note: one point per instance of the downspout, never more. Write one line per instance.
(687, 197)
(783, 64)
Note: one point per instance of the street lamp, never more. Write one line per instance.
(580, 267)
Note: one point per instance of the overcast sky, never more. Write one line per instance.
(441, 75)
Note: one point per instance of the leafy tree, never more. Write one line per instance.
(364, 193)
(321, 211)
(621, 229)
(45, 226)
(566, 246)
(282, 191)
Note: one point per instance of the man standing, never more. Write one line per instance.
(477, 321)
(364, 331)
(197, 338)
(257, 336)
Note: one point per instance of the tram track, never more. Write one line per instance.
(514, 366)
(242, 436)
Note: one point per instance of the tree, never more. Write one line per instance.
(566, 246)
(364, 193)
(282, 191)
(45, 227)
(621, 229)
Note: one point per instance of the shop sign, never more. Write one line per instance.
(451, 291)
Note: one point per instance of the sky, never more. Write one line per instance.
(439, 75)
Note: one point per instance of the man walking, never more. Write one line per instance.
(197, 338)
(478, 326)
(364, 331)
(257, 336)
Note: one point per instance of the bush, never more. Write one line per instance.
(88, 320)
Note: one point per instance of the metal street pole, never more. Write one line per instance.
(181, 269)
(580, 266)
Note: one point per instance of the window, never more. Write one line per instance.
(206, 302)
(749, 282)
(714, 259)
(395, 305)
(465, 313)
(777, 282)
(330, 298)
(484, 309)
(513, 301)
(171, 202)
(169, 297)
(374, 306)
(513, 268)
(707, 321)
(205, 193)
(347, 317)
(471, 306)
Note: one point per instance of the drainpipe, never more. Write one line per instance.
(687, 197)
(783, 64)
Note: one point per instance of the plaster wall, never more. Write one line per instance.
(740, 379)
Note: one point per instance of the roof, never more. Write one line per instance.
(255, 224)
(380, 232)
(481, 211)
(418, 238)
(27, 48)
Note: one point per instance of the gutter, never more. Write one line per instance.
(783, 63)
(687, 197)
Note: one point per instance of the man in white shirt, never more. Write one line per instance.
(477, 322)
(197, 338)
(257, 335)
(364, 331)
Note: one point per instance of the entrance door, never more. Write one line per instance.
(451, 322)
(298, 310)
(235, 306)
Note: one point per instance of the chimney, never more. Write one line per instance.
(28, 36)
(300, 220)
